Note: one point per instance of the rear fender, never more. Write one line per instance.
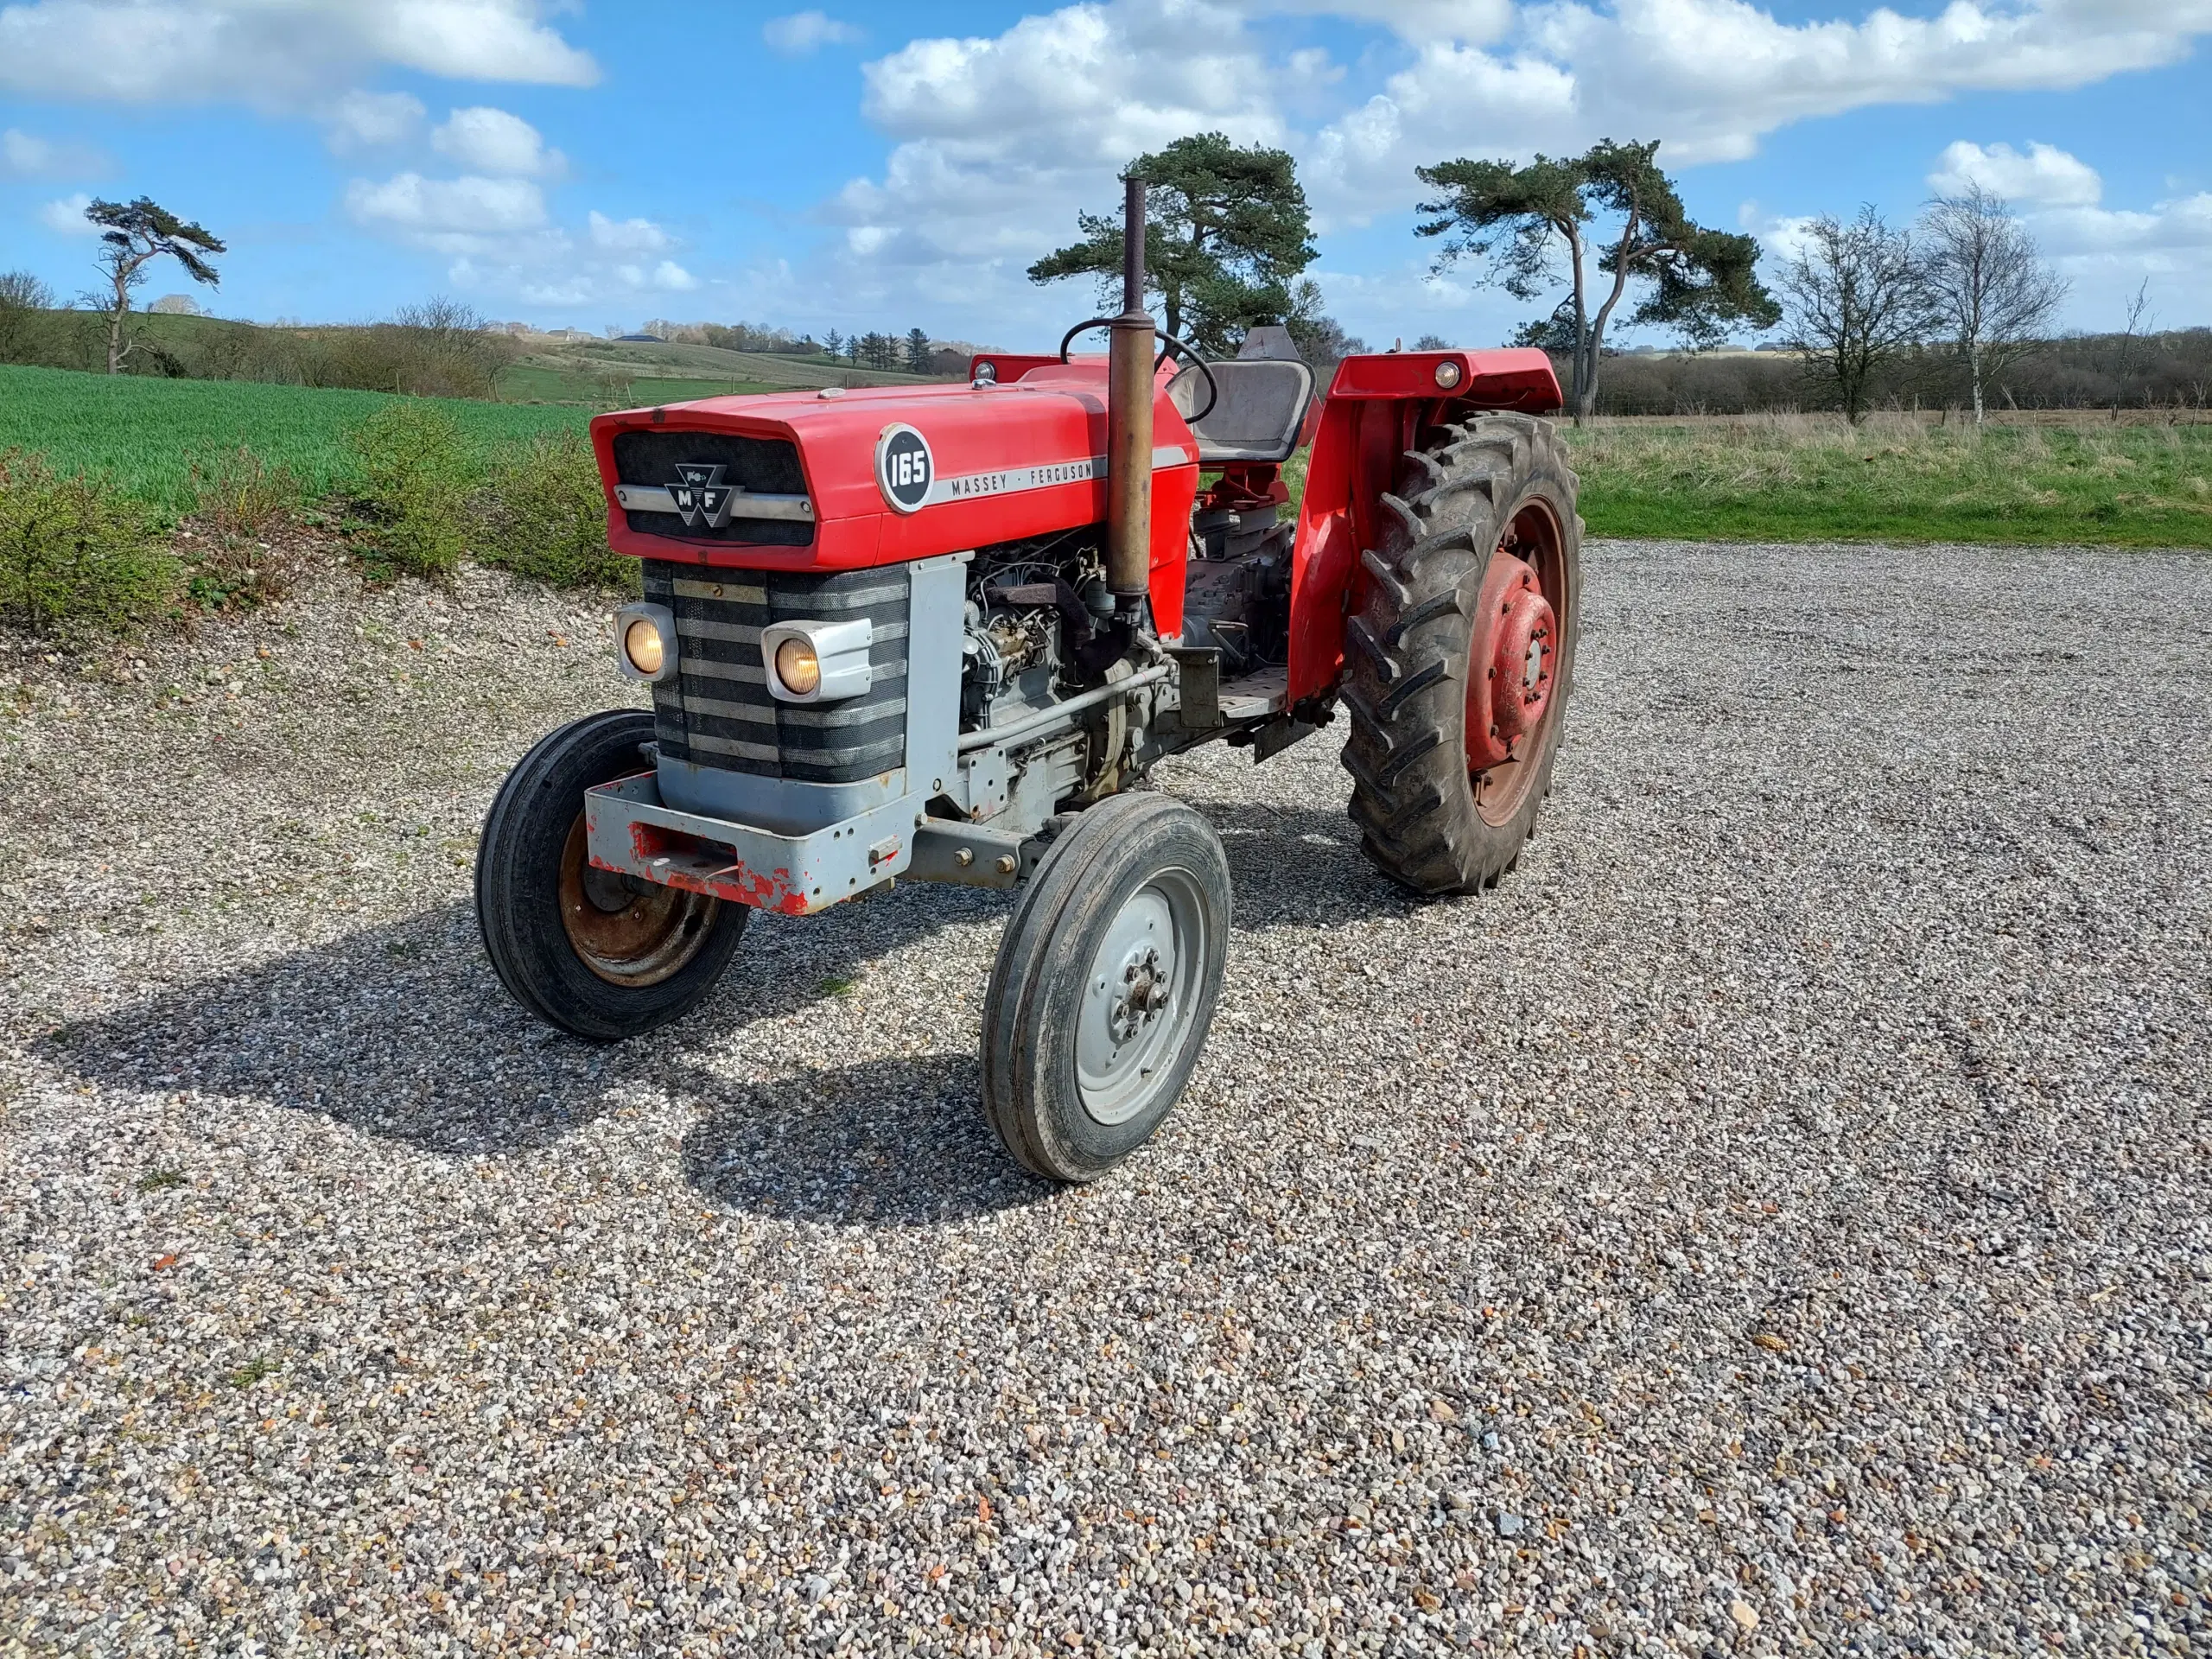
(1378, 406)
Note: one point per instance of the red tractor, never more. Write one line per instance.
(940, 632)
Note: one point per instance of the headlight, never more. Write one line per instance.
(818, 662)
(799, 668)
(645, 646)
(1447, 374)
(641, 643)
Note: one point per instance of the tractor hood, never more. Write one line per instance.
(843, 479)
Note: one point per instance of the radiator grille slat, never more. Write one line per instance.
(717, 712)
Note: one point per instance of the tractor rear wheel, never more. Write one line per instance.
(1104, 986)
(601, 955)
(1460, 662)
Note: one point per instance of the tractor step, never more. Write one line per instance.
(1255, 697)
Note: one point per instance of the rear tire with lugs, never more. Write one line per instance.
(1458, 664)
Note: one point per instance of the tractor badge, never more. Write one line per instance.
(904, 468)
(699, 495)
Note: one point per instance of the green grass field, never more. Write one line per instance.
(1795, 478)
(145, 433)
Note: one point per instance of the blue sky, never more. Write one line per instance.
(876, 165)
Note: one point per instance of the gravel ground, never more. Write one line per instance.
(1775, 1219)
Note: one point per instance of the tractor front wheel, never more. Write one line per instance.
(1460, 662)
(1104, 986)
(601, 955)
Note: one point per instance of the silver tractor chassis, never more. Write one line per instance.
(1004, 783)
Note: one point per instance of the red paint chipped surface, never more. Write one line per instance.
(696, 865)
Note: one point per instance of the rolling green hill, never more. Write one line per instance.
(623, 373)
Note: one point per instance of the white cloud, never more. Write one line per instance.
(1712, 78)
(627, 235)
(272, 54)
(1004, 137)
(368, 120)
(2045, 175)
(668, 276)
(66, 216)
(467, 215)
(25, 157)
(2082, 237)
(1786, 238)
(500, 243)
(807, 31)
(2106, 252)
(485, 140)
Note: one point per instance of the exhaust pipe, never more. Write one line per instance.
(1128, 423)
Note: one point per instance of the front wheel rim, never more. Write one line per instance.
(628, 932)
(1140, 994)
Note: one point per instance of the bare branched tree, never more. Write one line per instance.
(2141, 321)
(132, 236)
(1321, 338)
(1986, 276)
(22, 296)
(1855, 298)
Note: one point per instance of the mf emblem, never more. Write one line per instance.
(904, 468)
(701, 497)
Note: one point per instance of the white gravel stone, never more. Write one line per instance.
(1784, 1196)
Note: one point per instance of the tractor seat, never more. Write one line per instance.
(1257, 416)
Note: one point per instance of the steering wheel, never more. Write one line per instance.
(1170, 346)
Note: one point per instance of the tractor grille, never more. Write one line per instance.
(764, 465)
(718, 712)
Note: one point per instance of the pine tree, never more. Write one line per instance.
(132, 236)
(1226, 233)
(1520, 219)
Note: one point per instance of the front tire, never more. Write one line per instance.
(1460, 662)
(1104, 986)
(603, 957)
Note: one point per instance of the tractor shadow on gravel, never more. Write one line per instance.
(1300, 867)
(403, 1032)
(895, 1142)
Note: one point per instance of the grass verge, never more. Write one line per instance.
(1797, 478)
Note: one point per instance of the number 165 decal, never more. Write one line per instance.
(904, 468)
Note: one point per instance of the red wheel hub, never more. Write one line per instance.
(1510, 666)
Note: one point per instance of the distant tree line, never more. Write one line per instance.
(738, 337)
(912, 352)
(2169, 369)
(1951, 312)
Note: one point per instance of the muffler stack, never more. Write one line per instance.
(1128, 423)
